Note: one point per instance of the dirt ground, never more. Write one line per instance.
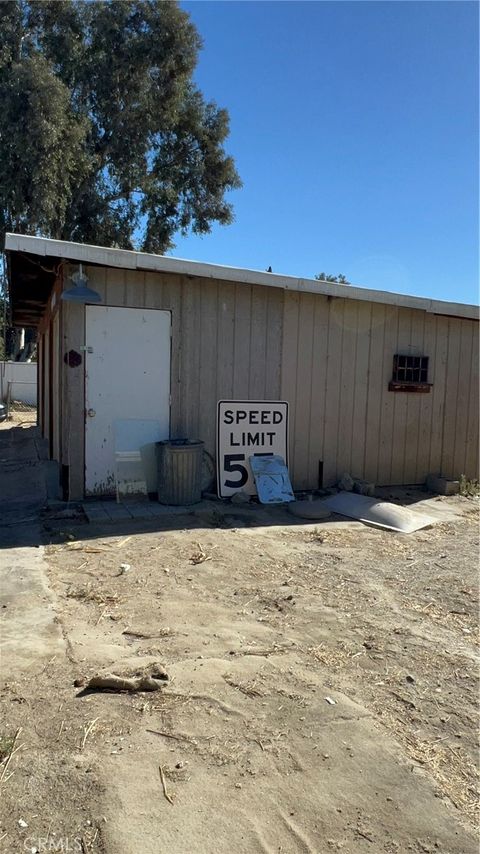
(322, 691)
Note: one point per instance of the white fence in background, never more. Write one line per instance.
(22, 377)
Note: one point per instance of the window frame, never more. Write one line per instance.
(410, 373)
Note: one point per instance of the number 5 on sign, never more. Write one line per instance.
(246, 428)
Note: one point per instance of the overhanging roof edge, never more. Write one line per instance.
(132, 260)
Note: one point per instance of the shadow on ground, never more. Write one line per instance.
(29, 516)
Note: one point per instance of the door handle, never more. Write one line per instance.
(91, 413)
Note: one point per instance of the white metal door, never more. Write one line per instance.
(127, 376)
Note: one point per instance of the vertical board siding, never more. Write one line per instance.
(318, 381)
(135, 289)
(208, 363)
(471, 455)
(332, 389)
(374, 391)
(422, 468)
(413, 410)
(73, 394)
(348, 363)
(438, 376)
(241, 340)
(337, 362)
(274, 342)
(189, 368)
(46, 384)
(289, 370)
(400, 402)
(361, 378)
(330, 358)
(225, 341)
(97, 279)
(450, 404)
(258, 344)
(40, 378)
(115, 293)
(302, 414)
(463, 386)
(386, 430)
(56, 357)
(172, 301)
(153, 291)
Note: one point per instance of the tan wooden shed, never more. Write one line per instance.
(382, 385)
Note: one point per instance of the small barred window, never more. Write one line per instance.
(410, 373)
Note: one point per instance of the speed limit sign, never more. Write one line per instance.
(246, 428)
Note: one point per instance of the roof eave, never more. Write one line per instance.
(132, 260)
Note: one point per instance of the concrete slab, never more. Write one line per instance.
(22, 474)
(140, 510)
(110, 511)
(29, 633)
(170, 509)
(116, 512)
(95, 513)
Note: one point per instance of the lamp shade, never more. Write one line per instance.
(80, 292)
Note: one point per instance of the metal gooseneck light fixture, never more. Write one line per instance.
(80, 292)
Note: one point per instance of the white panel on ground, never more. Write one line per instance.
(382, 514)
(127, 377)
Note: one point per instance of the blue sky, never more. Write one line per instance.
(354, 126)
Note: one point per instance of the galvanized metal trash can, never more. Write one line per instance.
(179, 467)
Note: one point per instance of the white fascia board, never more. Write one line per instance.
(22, 243)
(130, 260)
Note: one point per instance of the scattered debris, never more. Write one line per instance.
(177, 737)
(12, 749)
(124, 567)
(80, 547)
(88, 594)
(349, 576)
(164, 786)
(364, 487)
(86, 732)
(346, 482)
(442, 485)
(141, 635)
(200, 556)
(249, 689)
(150, 679)
(364, 835)
(240, 498)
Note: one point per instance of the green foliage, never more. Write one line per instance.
(339, 280)
(7, 743)
(104, 137)
(469, 488)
